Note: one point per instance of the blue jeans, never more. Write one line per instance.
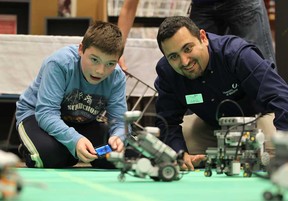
(247, 19)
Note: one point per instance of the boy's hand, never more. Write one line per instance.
(116, 143)
(85, 150)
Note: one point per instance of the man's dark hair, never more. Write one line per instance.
(171, 25)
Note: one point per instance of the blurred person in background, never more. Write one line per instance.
(247, 19)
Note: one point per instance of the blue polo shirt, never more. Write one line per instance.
(236, 71)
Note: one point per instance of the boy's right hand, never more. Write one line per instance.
(85, 150)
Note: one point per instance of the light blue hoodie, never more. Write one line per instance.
(60, 92)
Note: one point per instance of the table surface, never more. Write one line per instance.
(141, 57)
(93, 184)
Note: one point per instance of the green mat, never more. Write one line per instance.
(85, 184)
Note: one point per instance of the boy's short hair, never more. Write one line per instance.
(105, 36)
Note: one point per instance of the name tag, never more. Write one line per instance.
(194, 99)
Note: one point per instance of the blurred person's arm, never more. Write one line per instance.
(127, 16)
(125, 22)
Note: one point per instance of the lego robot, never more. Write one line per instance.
(10, 181)
(156, 159)
(278, 167)
(239, 143)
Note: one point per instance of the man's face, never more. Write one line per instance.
(186, 54)
(96, 65)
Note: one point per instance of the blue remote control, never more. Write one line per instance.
(103, 150)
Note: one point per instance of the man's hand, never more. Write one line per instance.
(116, 143)
(191, 161)
(85, 150)
(122, 64)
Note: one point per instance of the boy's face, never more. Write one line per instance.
(96, 65)
(186, 54)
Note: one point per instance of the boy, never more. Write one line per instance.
(59, 116)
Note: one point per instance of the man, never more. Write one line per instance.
(59, 116)
(199, 70)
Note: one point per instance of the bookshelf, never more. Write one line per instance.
(152, 8)
(67, 26)
(20, 9)
(149, 15)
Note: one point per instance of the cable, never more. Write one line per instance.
(164, 121)
(243, 129)
(260, 175)
(224, 101)
(232, 127)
